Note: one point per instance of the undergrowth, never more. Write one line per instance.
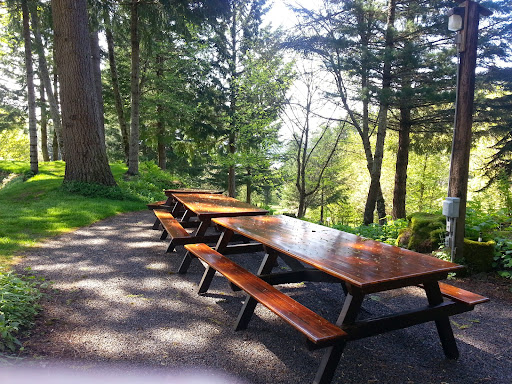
(19, 296)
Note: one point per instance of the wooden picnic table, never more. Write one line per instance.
(204, 207)
(170, 203)
(362, 266)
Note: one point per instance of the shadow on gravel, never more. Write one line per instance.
(116, 302)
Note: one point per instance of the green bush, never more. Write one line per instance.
(387, 233)
(503, 258)
(18, 306)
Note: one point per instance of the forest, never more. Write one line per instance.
(344, 117)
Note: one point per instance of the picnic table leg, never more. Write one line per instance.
(222, 243)
(332, 356)
(443, 325)
(247, 310)
(187, 259)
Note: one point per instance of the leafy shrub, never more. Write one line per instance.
(18, 306)
(387, 233)
(94, 190)
(149, 184)
(480, 223)
(503, 258)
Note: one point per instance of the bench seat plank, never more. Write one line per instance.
(317, 329)
(461, 295)
(171, 225)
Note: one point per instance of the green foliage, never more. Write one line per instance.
(480, 223)
(503, 257)
(18, 306)
(149, 184)
(14, 145)
(387, 233)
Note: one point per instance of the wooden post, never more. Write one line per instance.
(459, 165)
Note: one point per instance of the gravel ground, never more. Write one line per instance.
(117, 308)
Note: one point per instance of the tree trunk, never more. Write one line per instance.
(375, 187)
(402, 162)
(160, 124)
(44, 124)
(86, 158)
(55, 146)
(31, 96)
(96, 80)
(46, 80)
(248, 185)
(232, 104)
(133, 163)
(123, 125)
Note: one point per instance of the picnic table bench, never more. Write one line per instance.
(361, 265)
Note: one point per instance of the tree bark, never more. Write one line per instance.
(46, 80)
(86, 158)
(402, 162)
(96, 80)
(44, 124)
(133, 163)
(31, 96)
(123, 125)
(375, 187)
(160, 124)
(232, 104)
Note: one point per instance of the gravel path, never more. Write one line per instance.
(117, 306)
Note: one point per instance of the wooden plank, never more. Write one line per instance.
(317, 329)
(461, 295)
(171, 225)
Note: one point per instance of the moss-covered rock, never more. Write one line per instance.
(478, 255)
(424, 233)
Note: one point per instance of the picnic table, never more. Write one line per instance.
(362, 266)
(204, 207)
(170, 203)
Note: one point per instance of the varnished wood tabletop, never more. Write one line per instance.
(367, 264)
(216, 205)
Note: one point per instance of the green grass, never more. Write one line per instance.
(35, 208)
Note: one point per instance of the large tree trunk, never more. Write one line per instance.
(29, 67)
(232, 103)
(375, 187)
(86, 158)
(45, 78)
(133, 163)
(96, 80)
(44, 124)
(123, 125)
(402, 162)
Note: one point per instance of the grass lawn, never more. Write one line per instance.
(38, 207)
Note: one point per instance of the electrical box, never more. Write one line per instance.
(451, 207)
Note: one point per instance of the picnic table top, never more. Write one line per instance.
(364, 263)
(216, 205)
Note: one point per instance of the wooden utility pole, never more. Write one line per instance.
(459, 165)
